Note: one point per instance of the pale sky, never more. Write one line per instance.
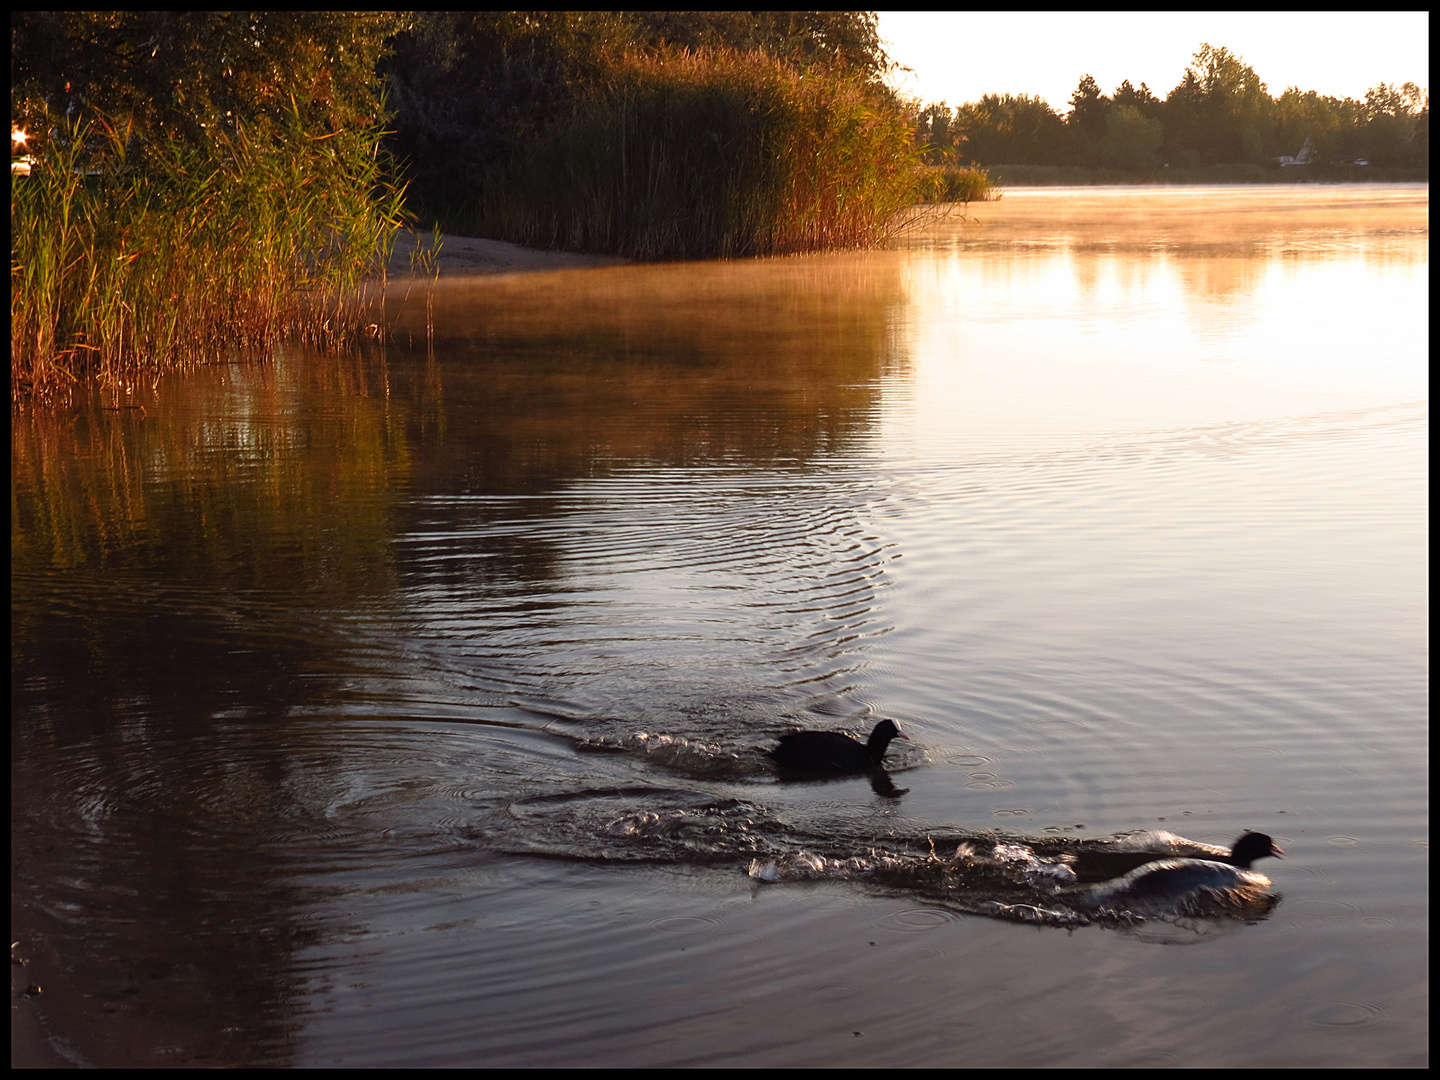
(958, 57)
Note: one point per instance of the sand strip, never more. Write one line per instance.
(466, 256)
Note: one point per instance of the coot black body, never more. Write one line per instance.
(1100, 865)
(832, 751)
(1179, 887)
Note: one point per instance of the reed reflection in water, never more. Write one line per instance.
(408, 709)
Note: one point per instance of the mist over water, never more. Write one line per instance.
(410, 708)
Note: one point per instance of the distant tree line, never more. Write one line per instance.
(1219, 114)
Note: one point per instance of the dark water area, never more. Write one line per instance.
(411, 707)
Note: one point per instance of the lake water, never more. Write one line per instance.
(408, 708)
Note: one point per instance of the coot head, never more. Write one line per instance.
(884, 733)
(833, 751)
(1252, 846)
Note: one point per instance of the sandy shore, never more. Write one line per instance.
(465, 256)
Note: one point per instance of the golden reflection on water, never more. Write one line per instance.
(1293, 218)
(775, 361)
(237, 468)
(1073, 312)
(1062, 313)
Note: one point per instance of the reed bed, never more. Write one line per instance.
(131, 255)
(955, 184)
(710, 153)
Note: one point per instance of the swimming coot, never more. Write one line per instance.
(1106, 863)
(831, 751)
(1178, 887)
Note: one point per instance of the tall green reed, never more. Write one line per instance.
(955, 184)
(710, 153)
(131, 255)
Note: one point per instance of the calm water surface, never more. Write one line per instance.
(407, 709)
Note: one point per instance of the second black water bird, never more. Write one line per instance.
(834, 751)
(1179, 887)
(1104, 864)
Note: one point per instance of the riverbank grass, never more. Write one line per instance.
(131, 255)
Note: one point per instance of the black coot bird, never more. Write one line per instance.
(1207, 880)
(1102, 865)
(1179, 887)
(832, 751)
